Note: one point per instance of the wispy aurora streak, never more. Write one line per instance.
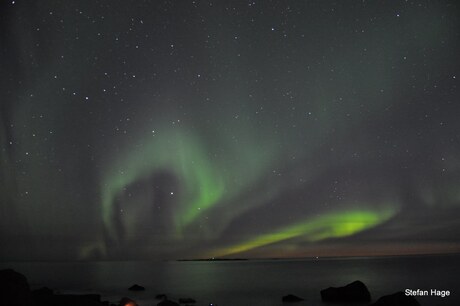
(176, 153)
(203, 179)
(329, 225)
(262, 123)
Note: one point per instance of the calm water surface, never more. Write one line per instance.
(256, 283)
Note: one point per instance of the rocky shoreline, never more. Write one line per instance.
(15, 291)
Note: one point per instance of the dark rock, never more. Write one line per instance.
(92, 297)
(161, 297)
(136, 287)
(396, 299)
(186, 301)
(168, 303)
(75, 300)
(127, 302)
(353, 292)
(291, 298)
(14, 289)
(42, 292)
(45, 297)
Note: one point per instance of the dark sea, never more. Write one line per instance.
(252, 282)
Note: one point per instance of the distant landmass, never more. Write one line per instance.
(317, 257)
(213, 259)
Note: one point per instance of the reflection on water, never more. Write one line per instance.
(249, 282)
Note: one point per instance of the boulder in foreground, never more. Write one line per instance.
(291, 298)
(42, 292)
(353, 292)
(136, 287)
(14, 289)
(46, 297)
(396, 299)
(167, 303)
(71, 300)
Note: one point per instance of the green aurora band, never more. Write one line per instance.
(204, 180)
(329, 225)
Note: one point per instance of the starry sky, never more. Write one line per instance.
(198, 129)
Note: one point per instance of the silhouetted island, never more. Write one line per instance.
(214, 259)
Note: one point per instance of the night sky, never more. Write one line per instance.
(196, 129)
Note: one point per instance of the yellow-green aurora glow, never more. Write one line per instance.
(160, 130)
(328, 225)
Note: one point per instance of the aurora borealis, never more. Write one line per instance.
(191, 129)
(340, 224)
